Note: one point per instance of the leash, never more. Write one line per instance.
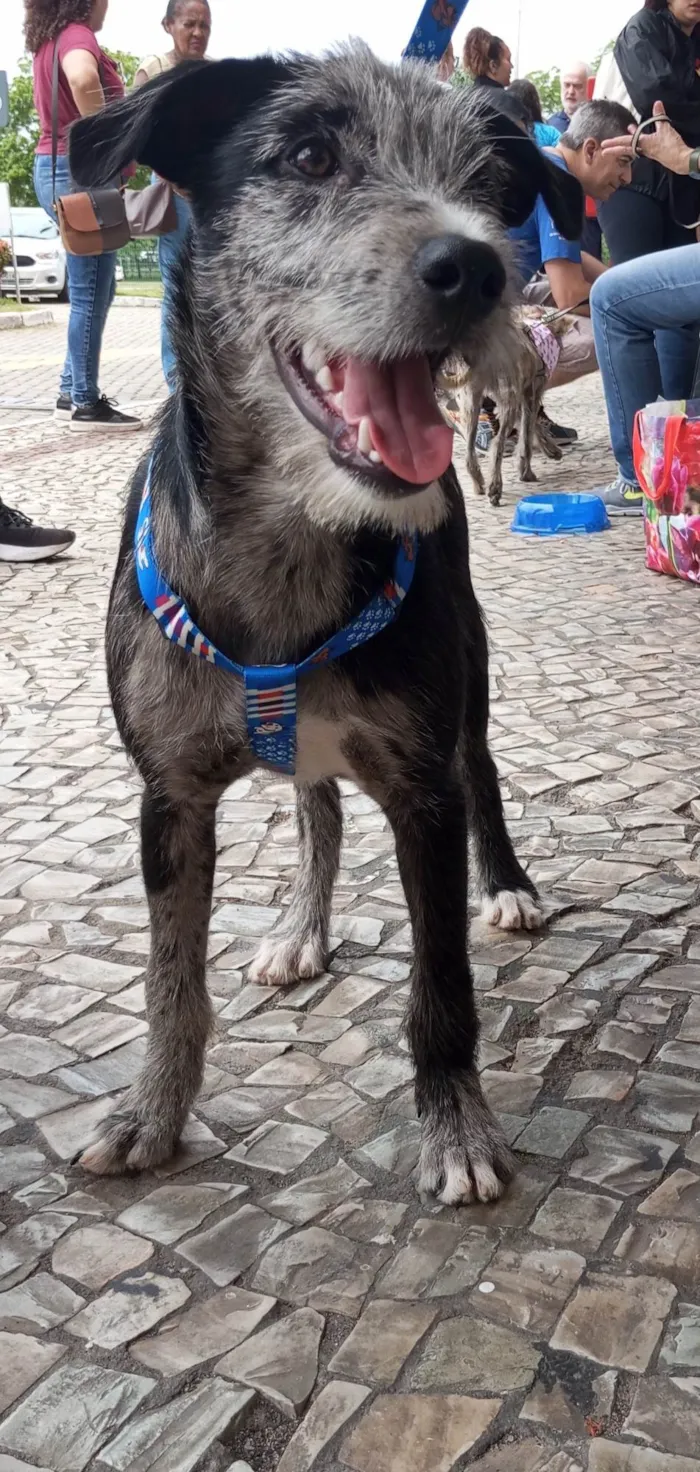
(270, 689)
(553, 314)
(634, 140)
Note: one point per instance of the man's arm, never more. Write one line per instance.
(591, 267)
(82, 75)
(568, 285)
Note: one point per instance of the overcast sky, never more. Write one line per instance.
(552, 32)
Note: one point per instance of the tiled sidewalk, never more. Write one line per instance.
(278, 1299)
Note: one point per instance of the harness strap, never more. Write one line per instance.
(270, 690)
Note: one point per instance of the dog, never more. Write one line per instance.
(515, 378)
(691, 501)
(348, 235)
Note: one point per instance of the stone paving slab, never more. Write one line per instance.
(277, 1298)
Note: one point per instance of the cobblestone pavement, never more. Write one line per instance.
(278, 1297)
(31, 360)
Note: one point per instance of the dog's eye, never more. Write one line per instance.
(313, 158)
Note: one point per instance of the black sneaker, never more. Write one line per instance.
(64, 409)
(559, 432)
(21, 541)
(103, 415)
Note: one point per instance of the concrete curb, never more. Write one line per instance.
(42, 317)
(137, 301)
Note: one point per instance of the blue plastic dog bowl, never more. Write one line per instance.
(559, 515)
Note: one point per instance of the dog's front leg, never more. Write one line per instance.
(178, 851)
(298, 949)
(464, 1154)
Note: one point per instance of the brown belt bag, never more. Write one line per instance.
(93, 222)
(99, 220)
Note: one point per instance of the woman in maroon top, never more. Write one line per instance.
(87, 78)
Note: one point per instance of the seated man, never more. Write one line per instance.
(646, 323)
(556, 272)
(573, 85)
(568, 271)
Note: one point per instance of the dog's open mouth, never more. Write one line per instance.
(381, 421)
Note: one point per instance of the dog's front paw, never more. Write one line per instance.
(512, 909)
(465, 1156)
(128, 1143)
(282, 960)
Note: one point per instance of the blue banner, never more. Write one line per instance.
(436, 23)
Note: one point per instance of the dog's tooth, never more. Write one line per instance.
(338, 401)
(364, 438)
(312, 356)
(376, 457)
(324, 379)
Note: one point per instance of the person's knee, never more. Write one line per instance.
(602, 294)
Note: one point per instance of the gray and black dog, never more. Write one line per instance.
(348, 236)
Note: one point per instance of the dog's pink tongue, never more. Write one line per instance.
(407, 427)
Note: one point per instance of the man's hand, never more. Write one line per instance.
(665, 145)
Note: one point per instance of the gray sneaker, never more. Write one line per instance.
(621, 497)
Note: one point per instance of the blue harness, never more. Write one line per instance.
(270, 689)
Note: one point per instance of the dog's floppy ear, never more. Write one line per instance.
(529, 173)
(173, 122)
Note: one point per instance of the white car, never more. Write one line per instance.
(40, 256)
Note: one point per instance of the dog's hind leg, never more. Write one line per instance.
(507, 410)
(178, 854)
(510, 899)
(298, 949)
(528, 420)
(470, 401)
(464, 1154)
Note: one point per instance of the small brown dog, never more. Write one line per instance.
(516, 381)
(691, 503)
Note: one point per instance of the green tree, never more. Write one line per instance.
(126, 64)
(460, 78)
(597, 59)
(547, 84)
(19, 139)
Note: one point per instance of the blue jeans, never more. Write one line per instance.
(91, 283)
(646, 324)
(169, 251)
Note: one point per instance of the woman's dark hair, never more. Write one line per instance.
(481, 50)
(45, 19)
(172, 9)
(529, 98)
(656, 5)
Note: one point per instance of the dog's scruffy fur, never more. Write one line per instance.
(274, 545)
(515, 381)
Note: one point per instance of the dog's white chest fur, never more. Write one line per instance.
(319, 753)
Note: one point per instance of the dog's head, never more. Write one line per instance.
(350, 235)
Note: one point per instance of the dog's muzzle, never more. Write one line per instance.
(381, 419)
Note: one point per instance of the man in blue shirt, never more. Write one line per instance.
(557, 272)
(573, 85)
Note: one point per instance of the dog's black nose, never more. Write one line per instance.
(461, 272)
